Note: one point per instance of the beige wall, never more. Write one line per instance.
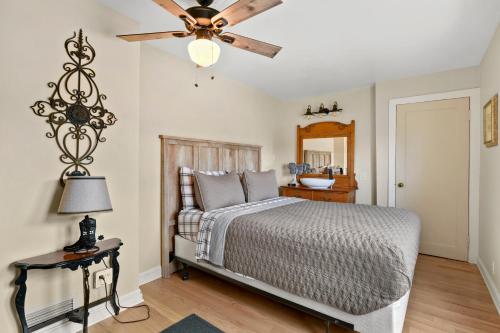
(222, 109)
(33, 34)
(415, 86)
(358, 106)
(489, 213)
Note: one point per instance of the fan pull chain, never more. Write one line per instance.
(198, 67)
(196, 76)
(212, 76)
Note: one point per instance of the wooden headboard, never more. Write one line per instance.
(198, 155)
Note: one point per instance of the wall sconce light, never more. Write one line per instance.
(322, 111)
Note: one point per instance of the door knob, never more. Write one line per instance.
(400, 185)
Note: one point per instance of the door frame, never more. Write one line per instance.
(474, 155)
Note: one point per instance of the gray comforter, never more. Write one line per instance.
(356, 258)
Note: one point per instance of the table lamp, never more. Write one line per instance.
(82, 195)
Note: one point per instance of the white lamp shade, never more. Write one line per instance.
(204, 52)
(85, 194)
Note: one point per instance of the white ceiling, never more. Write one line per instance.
(333, 45)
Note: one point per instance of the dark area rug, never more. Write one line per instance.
(192, 324)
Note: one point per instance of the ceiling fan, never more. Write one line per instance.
(205, 23)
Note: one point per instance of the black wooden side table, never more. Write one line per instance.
(62, 259)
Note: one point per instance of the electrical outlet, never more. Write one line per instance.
(107, 274)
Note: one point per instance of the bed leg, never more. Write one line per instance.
(185, 272)
(327, 324)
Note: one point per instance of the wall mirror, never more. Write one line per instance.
(323, 153)
(327, 145)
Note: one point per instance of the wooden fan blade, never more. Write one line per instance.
(154, 35)
(249, 44)
(242, 10)
(176, 10)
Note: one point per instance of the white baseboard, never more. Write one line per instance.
(96, 314)
(150, 275)
(495, 295)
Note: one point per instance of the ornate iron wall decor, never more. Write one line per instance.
(75, 110)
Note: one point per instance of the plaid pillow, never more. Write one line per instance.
(186, 184)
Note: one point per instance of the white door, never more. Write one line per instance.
(432, 172)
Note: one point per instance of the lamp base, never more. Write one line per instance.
(86, 242)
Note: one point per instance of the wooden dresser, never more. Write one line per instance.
(332, 195)
(344, 189)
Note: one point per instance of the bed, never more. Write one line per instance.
(219, 242)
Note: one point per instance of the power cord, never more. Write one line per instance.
(124, 307)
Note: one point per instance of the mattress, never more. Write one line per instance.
(389, 319)
(356, 258)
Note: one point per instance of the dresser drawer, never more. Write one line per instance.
(319, 195)
(330, 196)
(291, 192)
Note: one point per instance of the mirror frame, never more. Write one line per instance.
(330, 129)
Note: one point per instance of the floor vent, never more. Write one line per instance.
(49, 312)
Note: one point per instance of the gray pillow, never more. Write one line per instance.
(214, 192)
(260, 185)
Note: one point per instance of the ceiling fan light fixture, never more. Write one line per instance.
(203, 51)
(206, 22)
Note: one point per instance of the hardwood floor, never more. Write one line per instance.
(447, 296)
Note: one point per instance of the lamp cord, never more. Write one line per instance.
(117, 299)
